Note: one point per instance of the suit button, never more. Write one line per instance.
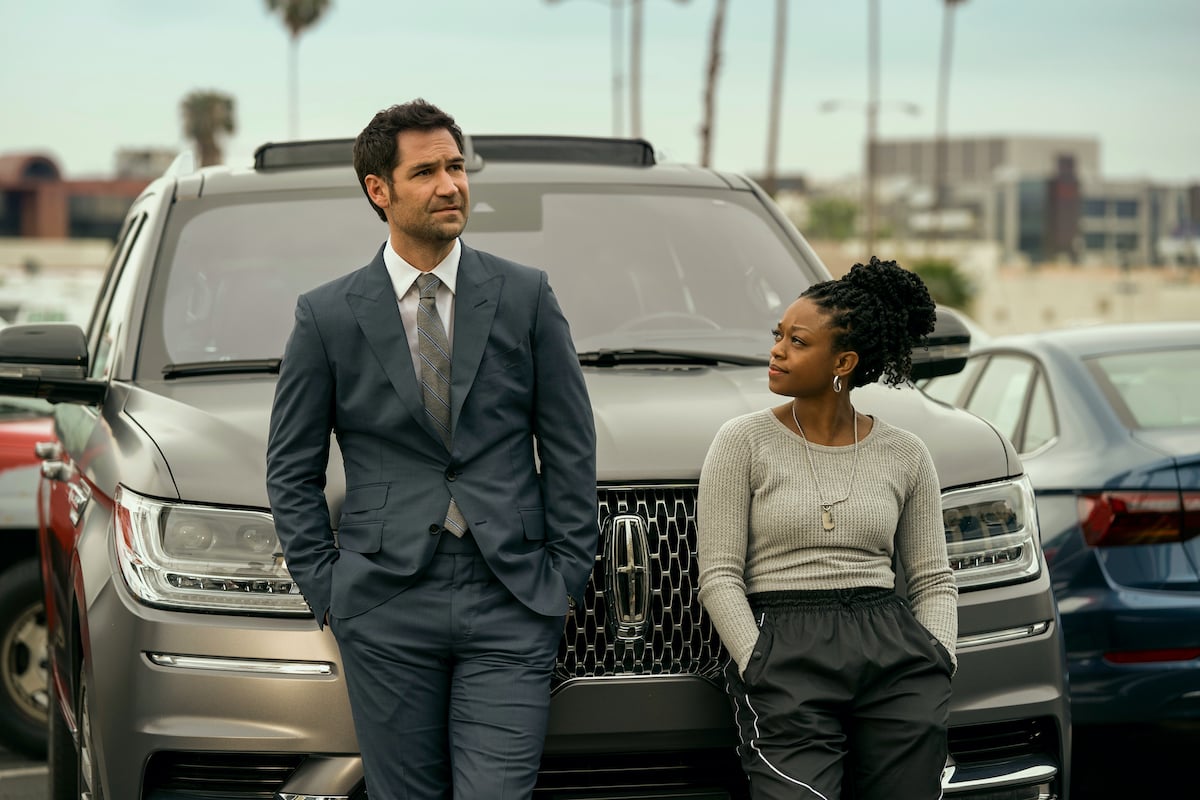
(451, 475)
(435, 528)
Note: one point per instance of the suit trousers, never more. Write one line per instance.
(846, 697)
(449, 684)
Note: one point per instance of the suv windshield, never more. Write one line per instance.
(670, 269)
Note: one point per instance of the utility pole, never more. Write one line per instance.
(635, 70)
(943, 104)
(872, 120)
(771, 174)
(618, 55)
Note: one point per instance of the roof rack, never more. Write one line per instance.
(491, 147)
(565, 149)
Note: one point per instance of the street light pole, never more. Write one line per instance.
(943, 103)
(771, 178)
(872, 119)
(618, 55)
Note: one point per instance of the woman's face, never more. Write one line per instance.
(803, 359)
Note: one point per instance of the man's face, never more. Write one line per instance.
(427, 197)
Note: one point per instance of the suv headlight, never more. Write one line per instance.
(202, 558)
(991, 533)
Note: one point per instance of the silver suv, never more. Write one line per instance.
(184, 662)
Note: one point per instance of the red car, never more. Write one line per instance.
(23, 697)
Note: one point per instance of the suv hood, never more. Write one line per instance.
(652, 424)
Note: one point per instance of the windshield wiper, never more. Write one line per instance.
(265, 366)
(638, 355)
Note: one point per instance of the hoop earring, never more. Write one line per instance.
(837, 383)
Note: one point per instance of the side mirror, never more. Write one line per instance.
(946, 350)
(48, 361)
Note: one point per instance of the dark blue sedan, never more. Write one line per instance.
(1107, 422)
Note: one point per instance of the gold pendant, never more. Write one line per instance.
(827, 517)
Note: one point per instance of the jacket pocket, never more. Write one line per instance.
(533, 520)
(504, 361)
(361, 537)
(365, 498)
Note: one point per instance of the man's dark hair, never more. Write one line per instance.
(376, 151)
(880, 311)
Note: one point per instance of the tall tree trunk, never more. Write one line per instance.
(771, 173)
(710, 84)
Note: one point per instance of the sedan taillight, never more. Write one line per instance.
(1111, 519)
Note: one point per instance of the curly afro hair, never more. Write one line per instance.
(880, 311)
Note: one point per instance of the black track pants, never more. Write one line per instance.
(846, 696)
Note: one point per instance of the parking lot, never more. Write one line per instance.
(20, 778)
(1108, 764)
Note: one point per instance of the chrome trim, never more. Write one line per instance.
(1004, 635)
(336, 776)
(1032, 771)
(78, 496)
(627, 575)
(250, 665)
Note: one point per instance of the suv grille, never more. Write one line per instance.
(680, 640)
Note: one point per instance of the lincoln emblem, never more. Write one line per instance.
(627, 575)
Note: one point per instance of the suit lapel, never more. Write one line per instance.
(372, 300)
(475, 303)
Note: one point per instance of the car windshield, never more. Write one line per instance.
(696, 270)
(1152, 389)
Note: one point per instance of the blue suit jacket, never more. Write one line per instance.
(518, 399)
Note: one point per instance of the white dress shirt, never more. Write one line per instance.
(404, 281)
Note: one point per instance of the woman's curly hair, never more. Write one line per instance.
(881, 311)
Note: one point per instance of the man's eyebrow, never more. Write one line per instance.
(433, 163)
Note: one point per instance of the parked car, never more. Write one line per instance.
(24, 700)
(186, 664)
(1107, 422)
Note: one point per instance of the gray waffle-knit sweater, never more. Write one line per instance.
(759, 524)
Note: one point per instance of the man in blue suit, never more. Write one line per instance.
(469, 522)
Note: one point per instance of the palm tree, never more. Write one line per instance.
(771, 178)
(298, 16)
(207, 116)
(710, 83)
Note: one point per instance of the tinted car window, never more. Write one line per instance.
(948, 388)
(1152, 390)
(999, 397)
(643, 276)
(1040, 424)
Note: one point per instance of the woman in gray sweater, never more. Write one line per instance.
(838, 685)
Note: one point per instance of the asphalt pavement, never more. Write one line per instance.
(21, 778)
(1113, 763)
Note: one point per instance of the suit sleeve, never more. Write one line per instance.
(566, 441)
(297, 458)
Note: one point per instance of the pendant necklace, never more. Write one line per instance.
(827, 508)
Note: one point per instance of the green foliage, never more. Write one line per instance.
(947, 285)
(831, 218)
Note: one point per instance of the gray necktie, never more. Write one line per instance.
(434, 349)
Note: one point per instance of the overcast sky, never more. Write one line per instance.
(80, 79)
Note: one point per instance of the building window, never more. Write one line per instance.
(1093, 207)
(1126, 209)
(1095, 241)
(1127, 241)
